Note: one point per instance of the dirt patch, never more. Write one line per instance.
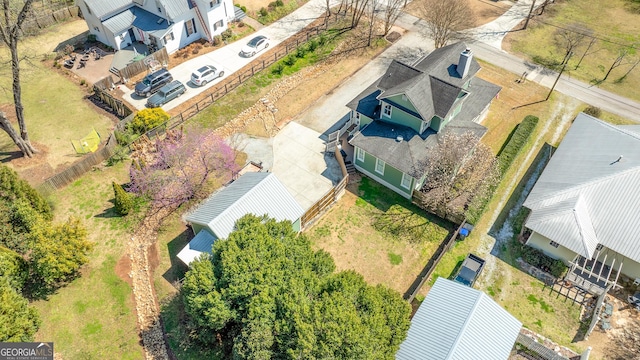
(123, 269)
(254, 5)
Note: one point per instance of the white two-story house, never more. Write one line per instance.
(170, 24)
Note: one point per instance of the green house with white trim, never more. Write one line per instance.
(399, 117)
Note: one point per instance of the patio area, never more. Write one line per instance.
(128, 55)
(90, 67)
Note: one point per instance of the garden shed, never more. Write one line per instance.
(255, 193)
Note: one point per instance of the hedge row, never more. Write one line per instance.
(505, 159)
(516, 142)
(540, 260)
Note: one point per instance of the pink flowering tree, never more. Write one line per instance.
(175, 169)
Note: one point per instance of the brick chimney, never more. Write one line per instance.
(464, 63)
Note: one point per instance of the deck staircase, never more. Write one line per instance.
(202, 22)
(351, 169)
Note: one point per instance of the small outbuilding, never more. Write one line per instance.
(255, 193)
(458, 322)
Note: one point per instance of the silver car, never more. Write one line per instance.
(254, 45)
(205, 74)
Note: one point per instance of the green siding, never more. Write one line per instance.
(364, 121)
(406, 103)
(392, 176)
(296, 226)
(401, 118)
(436, 123)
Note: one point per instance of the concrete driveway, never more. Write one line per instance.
(296, 156)
(229, 56)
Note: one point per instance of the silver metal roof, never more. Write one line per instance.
(175, 8)
(597, 169)
(458, 322)
(253, 193)
(138, 18)
(101, 8)
(200, 244)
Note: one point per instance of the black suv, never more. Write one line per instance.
(152, 82)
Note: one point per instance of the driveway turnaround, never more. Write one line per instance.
(229, 58)
(296, 156)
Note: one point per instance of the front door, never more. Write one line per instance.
(132, 35)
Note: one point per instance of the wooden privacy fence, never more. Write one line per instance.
(432, 263)
(328, 199)
(50, 17)
(78, 169)
(100, 90)
(156, 59)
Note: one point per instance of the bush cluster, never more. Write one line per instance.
(538, 259)
(147, 119)
(593, 111)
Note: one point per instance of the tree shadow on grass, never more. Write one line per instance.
(8, 156)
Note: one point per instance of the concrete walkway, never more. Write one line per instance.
(493, 32)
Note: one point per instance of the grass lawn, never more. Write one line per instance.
(55, 109)
(379, 234)
(93, 317)
(609, 21)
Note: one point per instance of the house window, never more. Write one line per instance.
(599, 247)
(404, 97)
(168, 37)
(213, 3)
(386, 111)
(190, 26)
(554, 244)
(359, 154)
(380, 166)
(217, 25)
(406, 181)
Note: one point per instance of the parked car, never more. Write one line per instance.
(153, 82)
(634, 300)
(255, 45)
(205, 74)
(470, 270)
(166, 93)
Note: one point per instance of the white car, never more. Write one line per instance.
(255, 45)
(205, 74)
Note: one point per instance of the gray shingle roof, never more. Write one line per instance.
(379, 139)
(252, 193)
(584, 179)
(101, 8)
(139, 18)
(458, 322)
(366, 102)
(441, 63)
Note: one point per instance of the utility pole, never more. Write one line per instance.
(564, 65)
(526, 22)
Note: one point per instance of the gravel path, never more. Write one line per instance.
(147, 309)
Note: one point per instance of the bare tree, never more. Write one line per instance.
(570, 37)
(586, 51)
(633, 66)
(358, 7)
(392, 11)
(372, 19)
(446, 18)
(461, 169)
(622, 53)
(13, 15)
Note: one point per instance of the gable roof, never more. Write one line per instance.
(441, 63)
(253, 193)
(175, 8)
(585, 196)
(140, 18)
(202, 243)
(101, 8)
(458, 322)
